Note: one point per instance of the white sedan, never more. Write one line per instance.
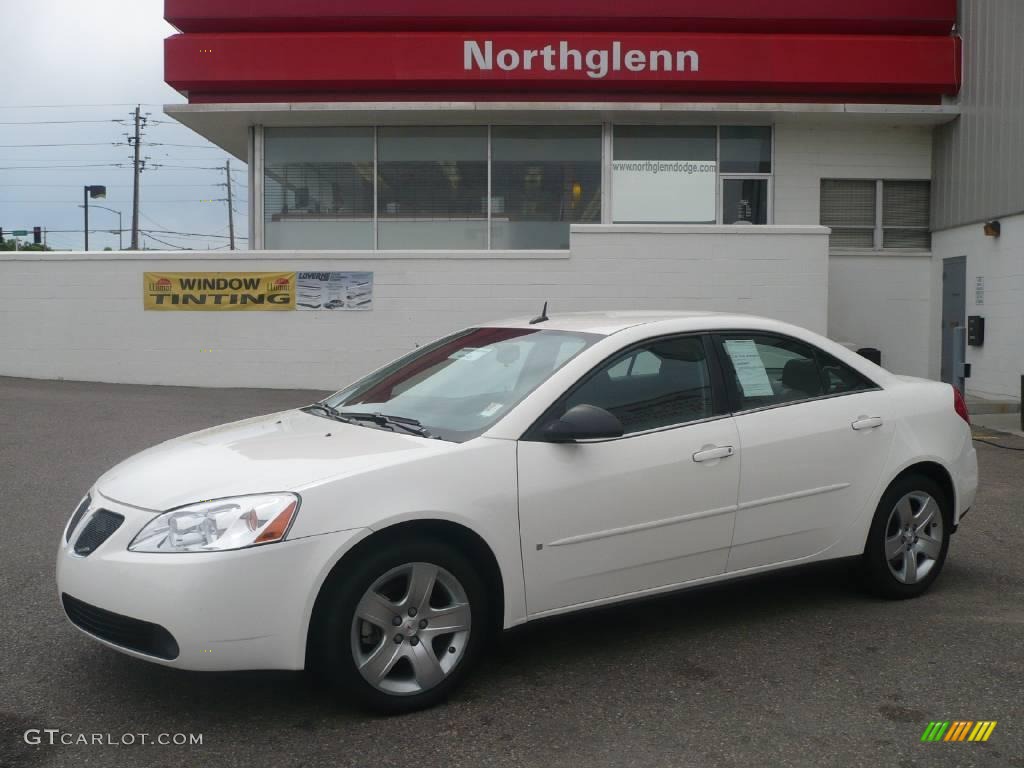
(512, 472)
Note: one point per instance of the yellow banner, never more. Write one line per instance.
(219, 291)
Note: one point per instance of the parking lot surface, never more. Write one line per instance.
(793, 669)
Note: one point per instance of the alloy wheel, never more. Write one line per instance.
(913, 537)
(410, 629)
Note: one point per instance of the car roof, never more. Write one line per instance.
(608, 323)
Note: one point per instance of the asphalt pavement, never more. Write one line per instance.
(793, 669)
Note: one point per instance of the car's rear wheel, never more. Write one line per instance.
(909, 538)
(403, 625)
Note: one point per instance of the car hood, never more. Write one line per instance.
(280, 452)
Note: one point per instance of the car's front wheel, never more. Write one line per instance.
(403, 625)
(909, 538)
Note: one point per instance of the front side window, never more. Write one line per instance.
(766, 371)
(460, 386)
(661, 384)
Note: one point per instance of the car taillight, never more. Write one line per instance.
(960, 405)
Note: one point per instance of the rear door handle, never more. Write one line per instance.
(712, 454)
(867, 422)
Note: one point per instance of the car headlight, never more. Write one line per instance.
(76, 518)
(220, 525)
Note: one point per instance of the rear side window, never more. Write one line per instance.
(661, 384)
(841, 379)
(767, 370)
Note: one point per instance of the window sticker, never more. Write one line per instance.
(749, 368)
(491, 409)
(470, 353)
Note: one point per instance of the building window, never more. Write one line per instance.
(544, 179)
(906, 215)
(746, 149)
(664, 174)
(877, 215)
(432, 188)
(744, 201)
(510, 187)
(318, 188)
(691, 174)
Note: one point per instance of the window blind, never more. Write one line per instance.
(906, 216)
(848, 207)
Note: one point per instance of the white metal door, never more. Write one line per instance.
(604, 519)
(809, 470)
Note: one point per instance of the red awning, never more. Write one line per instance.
(299, 66)
(757, 16)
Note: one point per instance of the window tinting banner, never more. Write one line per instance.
(219, 291)
(352, 291)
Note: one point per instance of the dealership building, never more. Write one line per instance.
(480, 158)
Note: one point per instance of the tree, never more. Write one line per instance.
(9, 245)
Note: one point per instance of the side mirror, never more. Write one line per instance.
(584, 422)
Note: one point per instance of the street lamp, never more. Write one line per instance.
(120, 226)
(96, 193)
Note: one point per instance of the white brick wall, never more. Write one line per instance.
(999, 364)
(806, 153)
(876, 300)
(883, 301)
(80, 316)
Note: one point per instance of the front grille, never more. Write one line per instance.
(100, 528)
(135, 635)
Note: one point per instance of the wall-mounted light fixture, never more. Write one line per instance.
(993, 229)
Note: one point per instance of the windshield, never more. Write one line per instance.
(459, 386)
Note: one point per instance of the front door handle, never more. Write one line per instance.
(713, 454)
(867, 422)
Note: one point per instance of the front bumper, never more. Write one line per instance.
(247, 609)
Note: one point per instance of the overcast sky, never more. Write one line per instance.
(69, 60)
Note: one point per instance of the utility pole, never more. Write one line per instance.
(231, 206)
(85, 198)
(139, 163)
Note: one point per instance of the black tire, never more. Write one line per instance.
(875, 572)
(337, 607)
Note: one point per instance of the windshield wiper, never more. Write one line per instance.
(330, 410)
(411, 426)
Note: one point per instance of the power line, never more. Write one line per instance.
(113, 201)
(189, 167)
(59, 122)
(189, 146)
(60, 167)
(21, 159)
(109, 186)
(73, 106)
(29, 146)
(158, 231)
(151, 236)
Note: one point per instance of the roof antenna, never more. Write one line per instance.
(543, 316)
